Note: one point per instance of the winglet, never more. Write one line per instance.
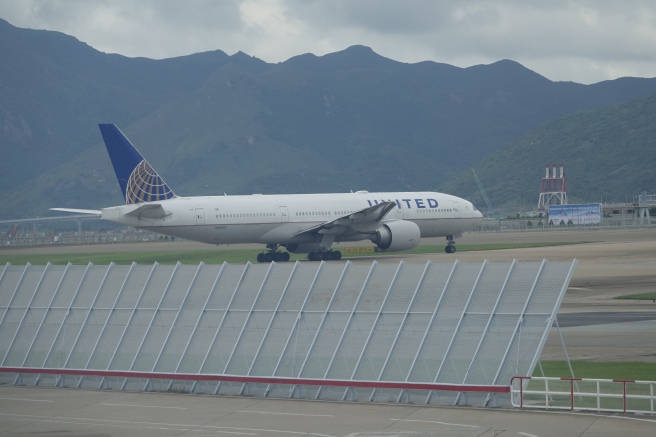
(138, 180)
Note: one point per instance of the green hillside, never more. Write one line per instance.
(608, 153)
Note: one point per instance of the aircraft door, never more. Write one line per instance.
(399, 210)
(200, 216)
(284, 214)
(456, 209)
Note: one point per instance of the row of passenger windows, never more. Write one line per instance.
(247, 215)
(337, 213)
(316, 213)
(343, 213)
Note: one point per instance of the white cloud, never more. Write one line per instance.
(584, 41)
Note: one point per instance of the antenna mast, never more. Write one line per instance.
(490, 211)
(552, 188)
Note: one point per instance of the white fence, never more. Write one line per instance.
(610, 395)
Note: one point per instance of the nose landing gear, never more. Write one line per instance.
(450, 244)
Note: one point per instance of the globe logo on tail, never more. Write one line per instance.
(145, 185)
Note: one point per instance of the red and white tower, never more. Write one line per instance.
(552, 188)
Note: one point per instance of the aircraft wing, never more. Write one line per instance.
(363, 221)
(78, 211)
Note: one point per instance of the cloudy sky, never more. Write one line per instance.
(584, 41)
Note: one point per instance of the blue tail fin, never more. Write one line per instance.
(138, 180)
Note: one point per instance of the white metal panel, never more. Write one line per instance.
(444, 323)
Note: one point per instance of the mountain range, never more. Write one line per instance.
(213, 123)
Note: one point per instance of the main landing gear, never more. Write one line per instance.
(450, 244)
(273, 254)
(325, 255)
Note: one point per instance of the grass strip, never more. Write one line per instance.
(222, 255)
(639, 296)
(599, 370)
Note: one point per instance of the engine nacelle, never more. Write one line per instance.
(397, 235)
(302, 247)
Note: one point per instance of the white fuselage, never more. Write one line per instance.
(276, 219)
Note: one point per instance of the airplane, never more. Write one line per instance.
(301, 223)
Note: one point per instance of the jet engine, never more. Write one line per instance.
(397, 235)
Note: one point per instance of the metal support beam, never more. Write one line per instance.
(250, 314)
(294, 329)
(11, 300)
(487, 325)
(177, 315)
(220, 327)
(152, 320)
(456, 330)
(27, 310)
(373, 325)
(200, 316)
(520, 320)
(348, 323)
(100, 287)
(401, 325)
(323, 318)
(134, 310)
(430, 324)
(109, 316)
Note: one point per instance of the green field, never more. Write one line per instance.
(221, 255)
(599, 370)
(641, 296)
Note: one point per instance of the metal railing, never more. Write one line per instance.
(609, 395)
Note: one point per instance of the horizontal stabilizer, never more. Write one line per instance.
(79, 211)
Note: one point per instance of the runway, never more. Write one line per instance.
(594, 325)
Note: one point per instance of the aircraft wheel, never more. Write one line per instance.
(268, 257)
(337, 255)
(260, 257)
(285, 256)
(277, 256)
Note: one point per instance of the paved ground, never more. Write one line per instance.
(29, 411)
(595, 326)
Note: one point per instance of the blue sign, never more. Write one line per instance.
(577, 214)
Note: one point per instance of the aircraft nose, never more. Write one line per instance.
(478, 216)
